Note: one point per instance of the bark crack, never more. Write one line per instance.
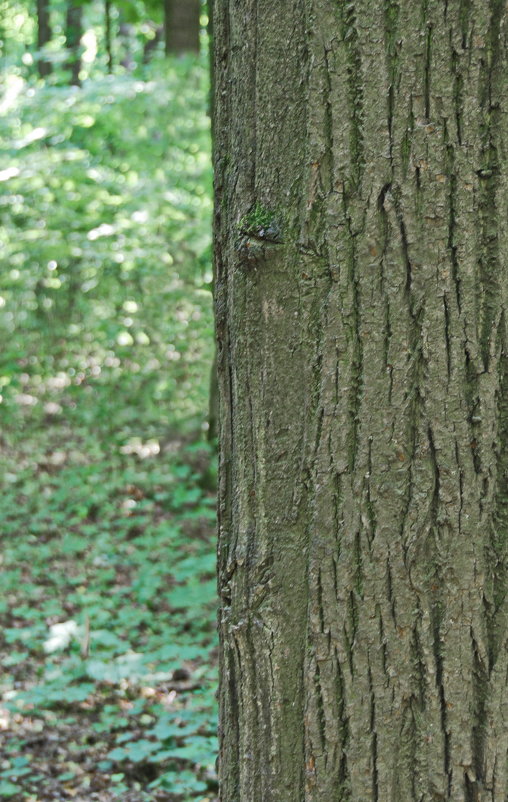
(427, 70)
(374, 744)
(439, 663)
(488, 175)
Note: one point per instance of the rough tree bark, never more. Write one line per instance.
(181, 25)
(361, 290)
(73, 34)
(43, 36)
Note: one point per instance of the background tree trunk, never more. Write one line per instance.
(181, 25)
(73, 34)
(43, 36)
(108, 35)
(152, 44)
(126, 37)
(3, 32)
(361, 283)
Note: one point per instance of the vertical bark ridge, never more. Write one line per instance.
(488, 285)
(262, 663)
(497, 554)
(229, 703)
(392, 47)
(354, 92)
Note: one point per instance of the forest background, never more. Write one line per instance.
(107, 577)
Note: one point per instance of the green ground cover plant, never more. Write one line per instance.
(107, 577)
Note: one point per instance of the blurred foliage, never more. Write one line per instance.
(105, 218)
(107, 580)
(18, 35)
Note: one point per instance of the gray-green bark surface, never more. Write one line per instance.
(361, 283)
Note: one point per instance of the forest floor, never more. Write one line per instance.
(107, 561)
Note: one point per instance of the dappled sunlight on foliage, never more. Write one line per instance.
(105, 228)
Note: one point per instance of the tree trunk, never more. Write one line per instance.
(43, 36)
(107, 35)
(181, 25)
(361, 280)
(126, 36)
(213, 403)
(73, 34)
(3, 32)
(152, 44)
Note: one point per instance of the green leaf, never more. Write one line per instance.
(8, 789)
(183, 782)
